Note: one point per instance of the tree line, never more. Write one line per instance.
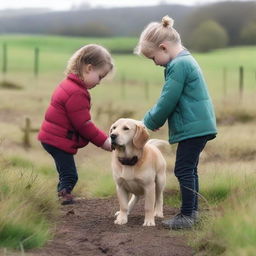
(221, 24)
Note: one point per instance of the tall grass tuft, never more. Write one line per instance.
(27, 207)
(231, 229)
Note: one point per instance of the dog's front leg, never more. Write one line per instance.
(149, 205)
(123, 199)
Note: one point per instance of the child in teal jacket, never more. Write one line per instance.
(186, 104)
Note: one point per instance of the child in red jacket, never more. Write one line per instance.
(68, 125)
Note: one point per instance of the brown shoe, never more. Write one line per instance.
(65, 197)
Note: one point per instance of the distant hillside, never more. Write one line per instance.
(92, 22)
(237, 19)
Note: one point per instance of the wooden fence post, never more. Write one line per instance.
(36, 61)
(4, 58)
(224, 81)
(27, 130)
(26, 137)
(241, 80)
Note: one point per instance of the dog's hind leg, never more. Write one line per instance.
(150, 198)
(160, 183)
(134, 199)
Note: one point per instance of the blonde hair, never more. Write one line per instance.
(93, 54)
(156, 33)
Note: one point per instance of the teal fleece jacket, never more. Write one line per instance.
(184, 102)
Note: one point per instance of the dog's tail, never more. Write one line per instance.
(158, 143)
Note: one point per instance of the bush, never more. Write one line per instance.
(208, 36)
(248, 34)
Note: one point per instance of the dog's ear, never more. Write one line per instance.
(141, 136)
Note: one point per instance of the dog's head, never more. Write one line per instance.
(126, 132)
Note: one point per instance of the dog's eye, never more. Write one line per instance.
(114, 128)
(126, 128)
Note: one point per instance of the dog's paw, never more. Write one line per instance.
(159, 214)
(117, 213)
(149, 223)
(121, 220)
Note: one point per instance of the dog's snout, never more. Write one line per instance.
(113, 136)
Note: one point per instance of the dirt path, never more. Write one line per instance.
(87, 229)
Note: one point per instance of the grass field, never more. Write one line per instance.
(55, 52)
(227, 166)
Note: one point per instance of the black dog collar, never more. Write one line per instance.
(128, 161)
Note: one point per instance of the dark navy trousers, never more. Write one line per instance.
(187, 158)
(65, 166)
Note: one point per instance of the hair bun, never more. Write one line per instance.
(167, 22)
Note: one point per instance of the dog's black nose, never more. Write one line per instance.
(113, 136)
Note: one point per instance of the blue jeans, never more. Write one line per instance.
(187, 158)
(66, 167)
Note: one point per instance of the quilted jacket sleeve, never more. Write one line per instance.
(170, 95)
(78, 111)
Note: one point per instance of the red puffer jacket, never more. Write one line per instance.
(67, 123)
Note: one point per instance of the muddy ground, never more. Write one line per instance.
(87, 229)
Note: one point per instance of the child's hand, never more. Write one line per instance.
(107, 145)
(155, 130)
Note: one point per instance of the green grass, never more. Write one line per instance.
(232, 230)
(18, 161)
(24, 235)
(67, 44)
(27, 207)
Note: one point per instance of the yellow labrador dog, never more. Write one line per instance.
(139, 169)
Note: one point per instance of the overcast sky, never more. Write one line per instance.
(68, 4)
